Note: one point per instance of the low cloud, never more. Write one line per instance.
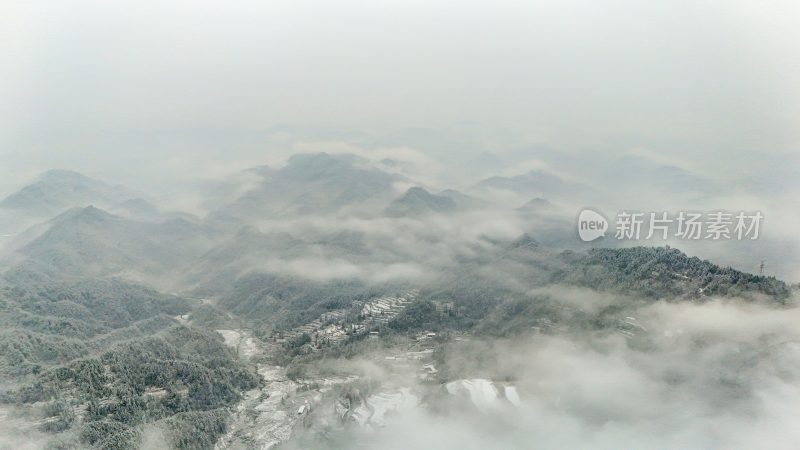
(318, 269)
(723, 374)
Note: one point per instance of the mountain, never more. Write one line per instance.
(463, 200)
(58, 190)
(269, 347)
(658, 177)
(664, 272)
(538, 206)
(93, 360)
(245, 251)
(136, 208)
(260, 171)
(417, 201)
(533, 183)
(91, 242)
(311, 184)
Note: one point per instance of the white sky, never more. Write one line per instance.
(112, 87)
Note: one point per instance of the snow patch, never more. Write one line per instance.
(482, 393)
(512, 395)
(374, 410)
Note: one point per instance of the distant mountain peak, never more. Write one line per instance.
(537, 204)
(314, 183)
(262, 171)
(535, 183)
(322, 164)
(417, 200)
(417, 191)
(84, 214)
(64, 174)
(57, 190)
(136, 208)
(138, 202)
(525, 241)
(319, 159)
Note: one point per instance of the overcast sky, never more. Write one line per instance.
(165, 88)
(720, 73)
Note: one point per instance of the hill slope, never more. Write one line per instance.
(91, 242)
(417, 201)
(313, 183)
(57, 190)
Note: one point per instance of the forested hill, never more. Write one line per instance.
(90, 362)
(663, 272)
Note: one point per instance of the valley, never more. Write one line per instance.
(292, 327)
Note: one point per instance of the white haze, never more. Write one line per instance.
(176, 99)
(719, 375)
(162, 96)
(153, 89)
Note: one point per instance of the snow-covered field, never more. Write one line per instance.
(373, 412)
(264, 418)
(484, 394)
(245, 345)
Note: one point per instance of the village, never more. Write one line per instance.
(336, 326)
